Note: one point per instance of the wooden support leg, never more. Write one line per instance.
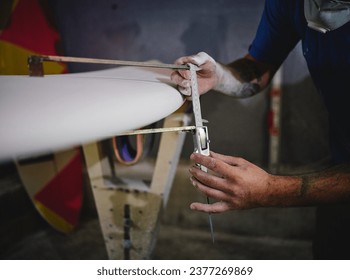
(168, 156)
(130, 209)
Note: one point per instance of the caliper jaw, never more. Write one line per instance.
(201, 142)
(201, 146)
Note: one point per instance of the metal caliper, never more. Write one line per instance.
(200, 133)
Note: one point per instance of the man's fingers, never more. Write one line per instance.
(234, 161)
(213, 163)
(180, 80)
(201, 58)
(217, 207)
(185, 91)
(183, 84)
(213, 191)
(207, 179)
(183, 60)
(197, 59)
(186, 74)
(182, 77)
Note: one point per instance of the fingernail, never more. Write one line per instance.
(192, 181)
(185, 84)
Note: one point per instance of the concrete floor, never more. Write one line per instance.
(256, 234)
(173, 244)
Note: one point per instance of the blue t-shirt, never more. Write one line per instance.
(282, 26)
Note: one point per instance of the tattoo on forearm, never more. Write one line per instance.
(246, 69)
(330, 185)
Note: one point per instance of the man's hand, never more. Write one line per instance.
(235, 184)
(206, 75)
(241, 78)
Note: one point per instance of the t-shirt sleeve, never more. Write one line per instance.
(275, 36)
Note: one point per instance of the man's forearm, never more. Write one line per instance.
(253, 77)
(325, 187)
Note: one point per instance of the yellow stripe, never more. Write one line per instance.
(14, 5)
(13, 61)
(55, 220)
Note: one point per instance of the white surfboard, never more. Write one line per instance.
(40, 115)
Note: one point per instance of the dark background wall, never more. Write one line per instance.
(165, 30)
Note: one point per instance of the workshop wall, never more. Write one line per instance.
(165, 30)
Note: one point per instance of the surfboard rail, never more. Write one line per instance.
(40, 115)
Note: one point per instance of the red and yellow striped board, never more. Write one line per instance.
(53, 182)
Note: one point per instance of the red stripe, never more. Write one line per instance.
(275, 92)
(29, 29)
(63, 194)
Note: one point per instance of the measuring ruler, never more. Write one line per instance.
(200, 136)
(35, 63)
(200, 132)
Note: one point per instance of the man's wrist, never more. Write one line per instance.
(284, 191)
(228, 84)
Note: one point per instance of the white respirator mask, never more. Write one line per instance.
(326, 15)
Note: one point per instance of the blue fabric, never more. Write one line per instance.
(126, 151)
(281, 27)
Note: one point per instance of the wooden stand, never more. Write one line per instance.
(129, 209)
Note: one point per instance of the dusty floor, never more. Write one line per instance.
(173, 244)
(24, 235)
